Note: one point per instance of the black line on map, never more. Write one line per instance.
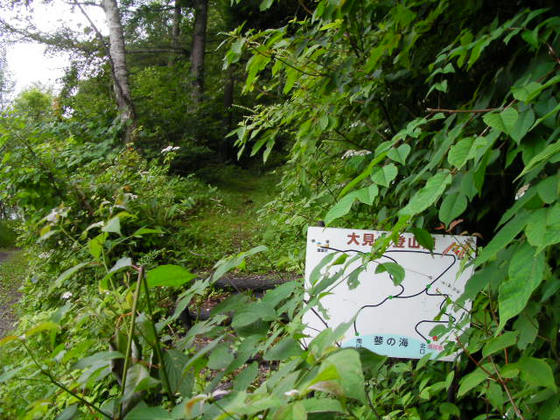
(399, 295)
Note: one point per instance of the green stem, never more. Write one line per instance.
(60, 385)
(130, 335)
(156, 338)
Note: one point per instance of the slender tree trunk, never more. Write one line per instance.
(198, 47)
(176, 32)
(119, 67)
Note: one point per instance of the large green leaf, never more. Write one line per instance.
(286, 348)
(502, 238)
(525, 274)
(523, 125)
(500, 342)
(113, 225)
(347, 369)
(385, 175)
(395, 271)
(253, 312)
(503, 121)
(459, 153)
(453, 205)
(103, 356)
(428, 195)
(471, 380)
(399, 154)
(138, 379)
(67, 274)
(220, 357)
(169, 275)
(536, 372)
(143, 412)
(542, 157)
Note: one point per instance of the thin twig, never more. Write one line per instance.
(463, 111)
(505, 387)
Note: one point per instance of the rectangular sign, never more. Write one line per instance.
(392, 320)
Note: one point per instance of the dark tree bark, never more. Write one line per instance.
(119, 67)
(198, 47)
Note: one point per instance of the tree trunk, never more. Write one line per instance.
(119, 67)
(198, 46)
(176, 32)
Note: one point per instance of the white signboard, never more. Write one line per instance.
(393, 320)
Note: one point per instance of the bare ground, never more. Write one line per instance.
(8, 296)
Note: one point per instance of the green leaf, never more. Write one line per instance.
(424, 238)
(168, 275)
(502, 238)
(399, 154)
(536, 372)
(499, 343)
(69, 413)
(138, 379)
(546, 154)
(113, 225)
(67, 274)
(341, 372)
(523, 125)
(220, 357)
(283, 350)
(246, 377)
(526, 92)
(252, 313)
(95, 245)
(143, 412)
(428, 194)
(366, 172)
(503, 121)
(548, 189)
(322, 405)
(102, 356)
(542, 230)
(265, 5)
(453, 205)
(146, 231)
(366, 195)
(525, 274)
(42, 326)
(459, 153)
(384, 175)
(395, 271)
(340, 209)
(471, 380)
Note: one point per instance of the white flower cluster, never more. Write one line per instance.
(56, 214)
(66, 295)
(170, 148)
(352, 153)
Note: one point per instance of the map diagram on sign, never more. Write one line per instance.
(396, 320)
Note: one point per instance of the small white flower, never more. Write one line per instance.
(521, 191)
(291, 393)
(66, 295)
(170, 148)
(352, 153)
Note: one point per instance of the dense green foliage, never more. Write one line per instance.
(398, 116)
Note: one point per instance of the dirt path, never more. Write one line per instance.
(8, 296)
